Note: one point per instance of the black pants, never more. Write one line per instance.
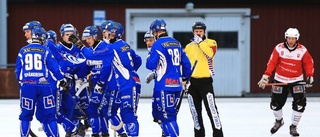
(201, 89)
(279, 95)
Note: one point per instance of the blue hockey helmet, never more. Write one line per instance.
(52, 35)
(115, 27)
(103, 24)
(39, 33)
(31, 25)
(67, 28)
(158, 24)
(148, 35)
(90, 31)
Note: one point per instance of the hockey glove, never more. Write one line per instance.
(64, 85)
(263, 82)
(150, 77)
(99, 86)
(197, 39)
(78, 84)
(75, 40)
(310, 81)
(185, 85)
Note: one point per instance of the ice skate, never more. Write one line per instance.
(81, 130)
(162, 135)
(293, 131)
(123, 135)
(276, 126)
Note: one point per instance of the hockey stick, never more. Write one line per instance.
(285, 84)
(183, 91)
(76, 106)
(32, 134)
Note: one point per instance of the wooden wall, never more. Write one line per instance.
(266, 32)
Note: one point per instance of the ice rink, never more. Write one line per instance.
(240, 117)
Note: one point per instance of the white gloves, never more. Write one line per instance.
(197, 39)
(78, 84)
(264, 80)
(185, 86)
(99, 86)
(150, 77)
(310, 80)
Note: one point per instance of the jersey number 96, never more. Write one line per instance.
(33, 61)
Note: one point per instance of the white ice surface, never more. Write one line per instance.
(240, 117)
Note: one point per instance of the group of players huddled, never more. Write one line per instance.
(77, 85)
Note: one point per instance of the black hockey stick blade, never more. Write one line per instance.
(32, 134)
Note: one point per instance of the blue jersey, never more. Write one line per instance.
(72, 61)
(51, 45)
(35, 62)
(101, 53)
(125, 63)
(53, 48)
(166, 58)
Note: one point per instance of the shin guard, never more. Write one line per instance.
(51, 129)
(24, 128)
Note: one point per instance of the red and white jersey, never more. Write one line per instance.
(289, 65)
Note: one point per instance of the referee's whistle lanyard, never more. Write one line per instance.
(209, 60)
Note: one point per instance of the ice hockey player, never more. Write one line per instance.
(166, 57)
(125, 64)
(289, 59)
(33, 63)
(72, 64)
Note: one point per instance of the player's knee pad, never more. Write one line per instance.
(132, 128)
(299, 105)
(275, 106)
(170, 128)
(127, 115)
(51, 129)
(96, 97)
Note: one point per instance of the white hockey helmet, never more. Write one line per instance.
(148, 35)
(292, 32)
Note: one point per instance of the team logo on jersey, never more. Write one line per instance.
(298, 89)
(170, 100)
(27, 103)
(298, 55)
(48, 102)
(277, 89)
(282, 53)
(73, 59)
(125, 48)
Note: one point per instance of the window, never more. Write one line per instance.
(140, 40)
(227, 40)
(183, 37)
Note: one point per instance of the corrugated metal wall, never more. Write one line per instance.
(266, 31)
